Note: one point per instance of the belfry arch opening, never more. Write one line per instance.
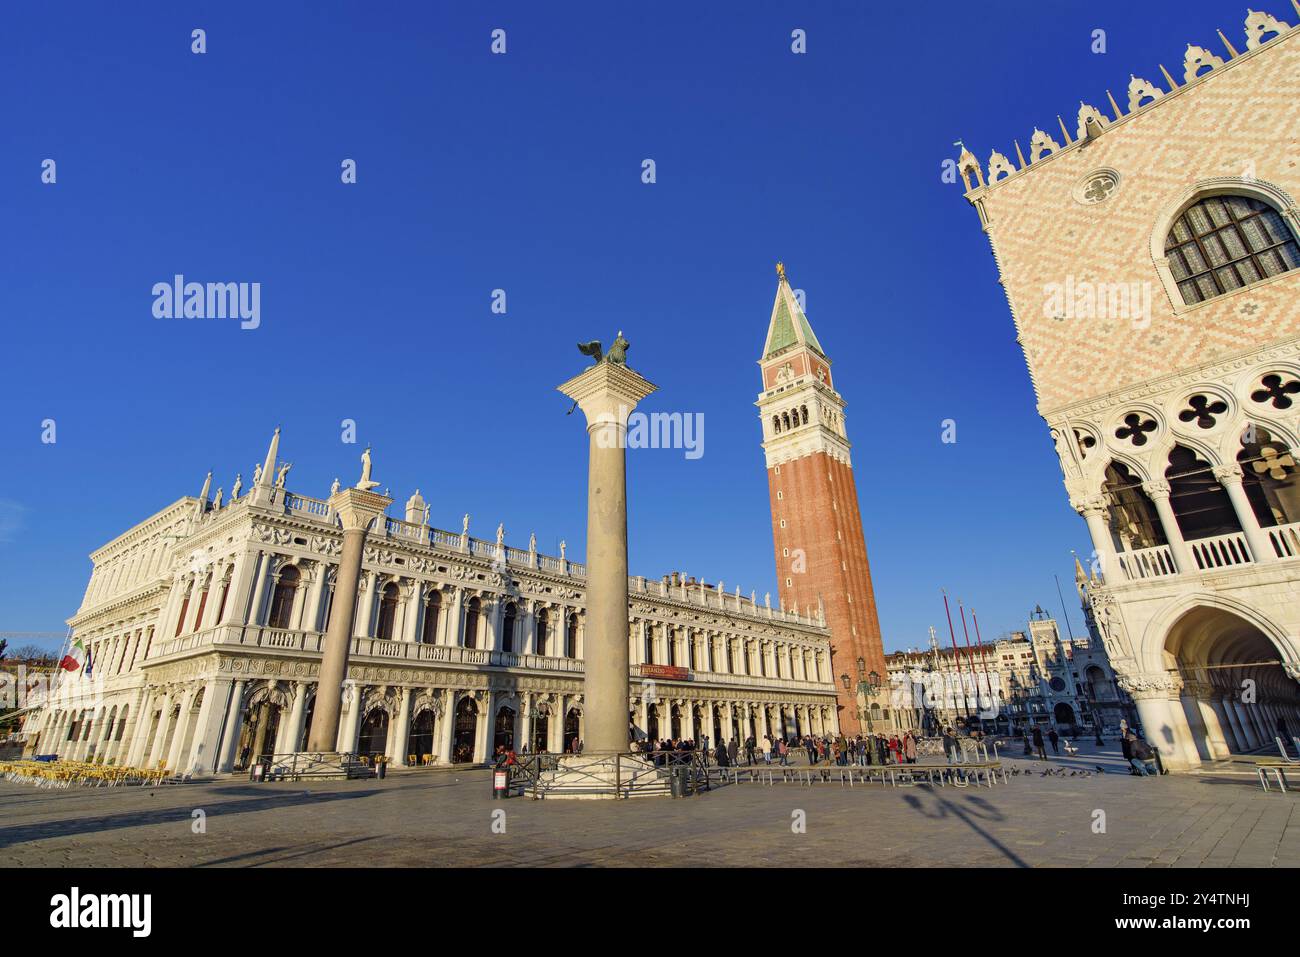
(1236, 697)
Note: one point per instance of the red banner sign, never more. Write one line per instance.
(669, 672)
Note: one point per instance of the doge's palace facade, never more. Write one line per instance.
(205, 625)
(1151, 260)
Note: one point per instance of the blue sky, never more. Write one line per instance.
(523, 172)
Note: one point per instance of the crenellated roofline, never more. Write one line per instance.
(1199, 66)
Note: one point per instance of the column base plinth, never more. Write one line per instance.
(596, 776)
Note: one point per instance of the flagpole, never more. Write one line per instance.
(983, 660)
(956, 655)
(974, 678)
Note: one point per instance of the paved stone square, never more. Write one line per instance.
(444, 818)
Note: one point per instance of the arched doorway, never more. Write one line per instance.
(462, 751)
(420, 741)
(675, 724)
(541, 731)
(261, 726)
(717, 723)
(308, 714)
(373, 739)
(504, 731)
(571, 730)
(1063, 714)
(652, 722)
(1235, 696)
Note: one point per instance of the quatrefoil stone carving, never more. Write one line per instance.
(1203, 410)
(1135, 429)
(1276, 391)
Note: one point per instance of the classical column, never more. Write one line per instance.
(412, 605)
(1164, 723)
(495, 640)
(143, 721)
(253, 614)
(607, 393)
(446, 724)
(454, 616)
(230, 734)
(291, 730)
(484, 728)
(207, 726)
(312, 612)
(356, 508)
(346, 742)
(1247, 735)
(366, 614)
(1261, 549)
(160, 737)
(1228, 720)
(397, 750)
(1094, 512)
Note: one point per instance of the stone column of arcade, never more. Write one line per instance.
(607, 393)
(357, 508)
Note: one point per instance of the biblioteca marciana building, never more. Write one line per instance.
(205, 626)
(1149, 257)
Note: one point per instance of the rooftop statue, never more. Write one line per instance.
(365, 483)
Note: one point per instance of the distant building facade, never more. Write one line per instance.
(1028, 678)
(205, 622)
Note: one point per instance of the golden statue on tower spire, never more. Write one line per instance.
(780, 272)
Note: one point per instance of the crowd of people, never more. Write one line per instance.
(840, 749)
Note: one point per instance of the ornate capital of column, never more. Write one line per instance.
(1095, 503)
(1229, 474)
(357, 508)
(607, 393)
(1138, 687)
(1157, 488)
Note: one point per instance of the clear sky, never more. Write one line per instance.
(523, 172)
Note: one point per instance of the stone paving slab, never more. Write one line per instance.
(425, 819)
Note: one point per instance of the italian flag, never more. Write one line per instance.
(76, 657)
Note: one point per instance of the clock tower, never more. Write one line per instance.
(821, 552)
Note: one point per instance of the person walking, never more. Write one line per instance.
(949, 744)
(1038, 743)
(783, 750)
(1055, 739)
(733, 752)
(909, 748)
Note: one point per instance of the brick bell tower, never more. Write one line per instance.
(821, 553)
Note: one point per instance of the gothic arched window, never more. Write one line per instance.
(803, 413)
(776, 424)
(387, 612)
(1222, 243)
(282, 598)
